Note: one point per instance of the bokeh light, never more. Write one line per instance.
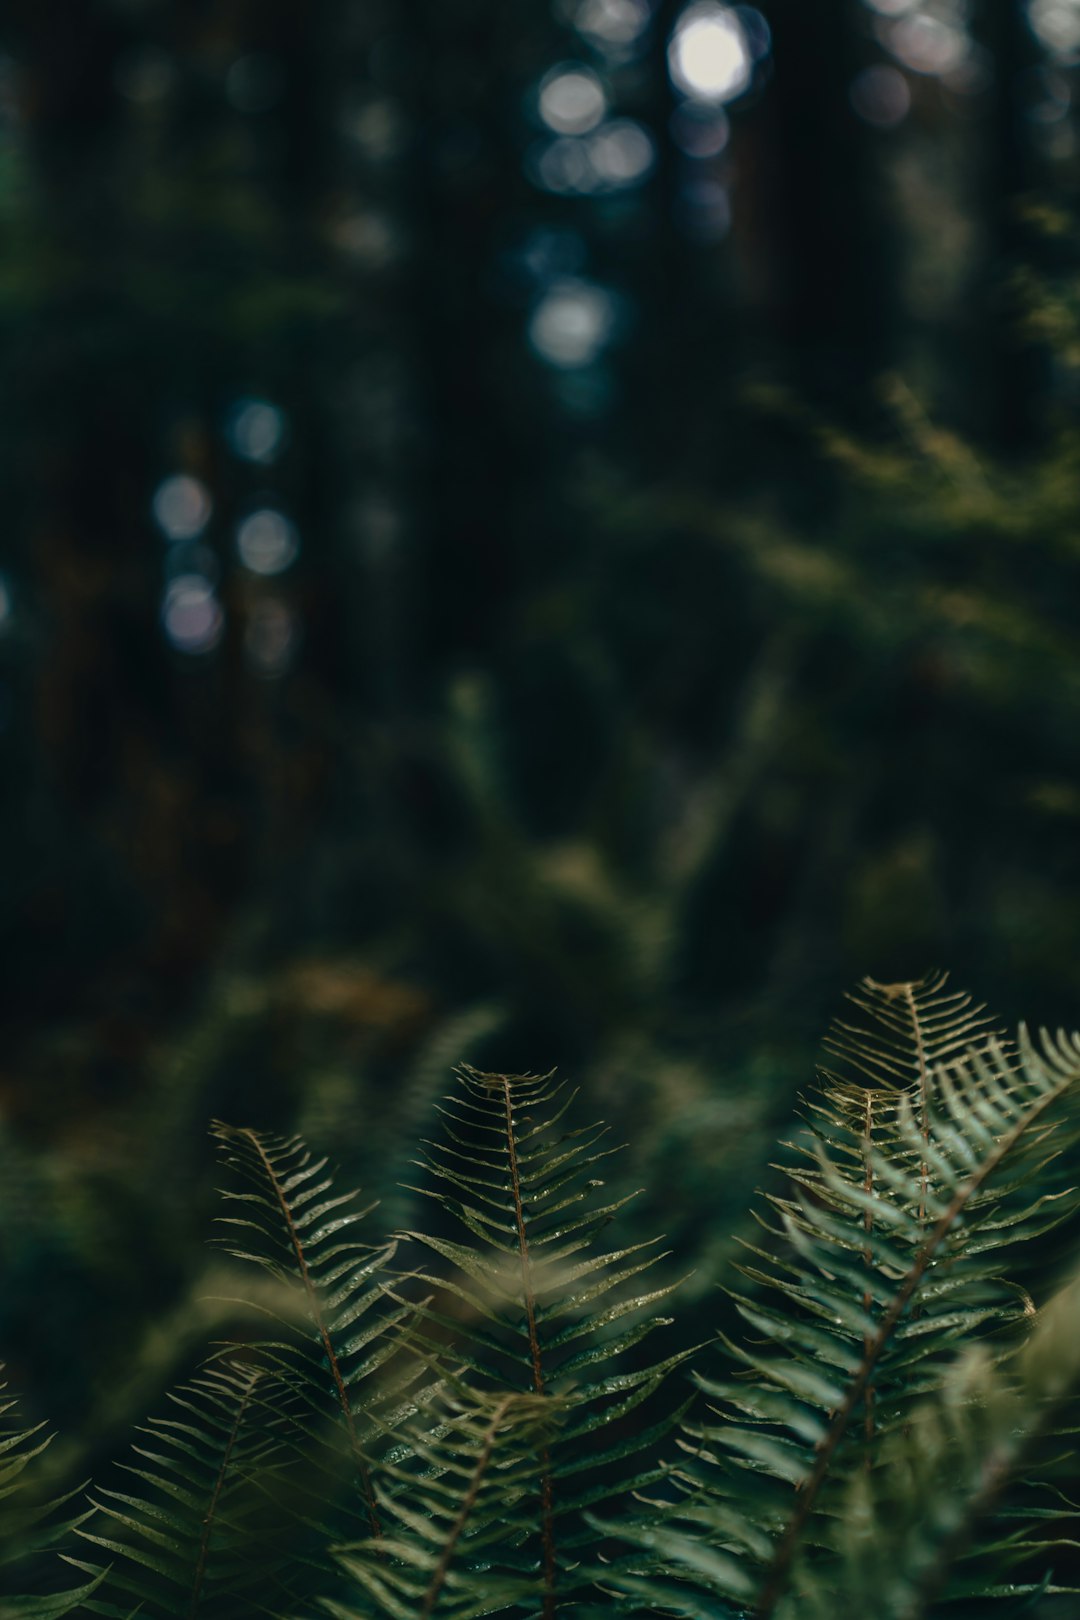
(703, 210)
(256, 430)
(709, 55)
(267, 542)
(621, 152)
(368, 237)
(143, 75)
(254, 83)
(1056, 24)
(880, 96)
(548, 252)
(612, 157)
(1048, 95)
(612, 25)
(572, 99)
(699, 130)
(271, 637)
(927, 44)
(562, 166)
(182, 506)
(377, 125)
(572, 323)
(192, 557)
(756, 31)
(191, 614)
(7, 606)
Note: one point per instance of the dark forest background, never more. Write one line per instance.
(532, 533)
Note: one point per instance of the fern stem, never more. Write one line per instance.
(321, 1327)
(486, 1448)
(924, 1091)
(776, 1576)
(219, 1482)
(546, 1492)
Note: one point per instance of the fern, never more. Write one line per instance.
(886, 1439)
(893, 1247)
(535, 1308)
(33, 1525)
(269, 1462)
(460, 1504)
(338, 1325)
(913, 1525)
(193, 1535)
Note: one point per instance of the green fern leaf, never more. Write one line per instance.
(340, 1328)
(530, 1305)
(194, 1533)
(913, 1526)
(460, 1509)
(893, 1246)
(34, 1525)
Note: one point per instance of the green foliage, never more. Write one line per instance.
(337, 1334)
(181, 1538)
(898, 1242)
(542, 1308)
(917, 1518)
(481, 1431)
(33, 1524)
(461, 1512)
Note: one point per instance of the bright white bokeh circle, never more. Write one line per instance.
(709, 57)
(191, 614)
(572, 99)
(266, 541)
(572, 323)
(182, 506)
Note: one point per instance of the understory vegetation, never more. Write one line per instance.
(497, 1412)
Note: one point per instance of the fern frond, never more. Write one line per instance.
(894, 1244)
(534, 1306)
(194, 1534)
(33, 1524)
(340, 1334)
(982, 1112)
(459, 1509)
(912, 1527)
(898, 1034)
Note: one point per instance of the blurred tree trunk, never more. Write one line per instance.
(477, 473)
(1010, 372)
(833, 287)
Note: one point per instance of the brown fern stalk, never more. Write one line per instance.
(487, 1446)
(924, 1091)
(319, 1319)
(547, 1527)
